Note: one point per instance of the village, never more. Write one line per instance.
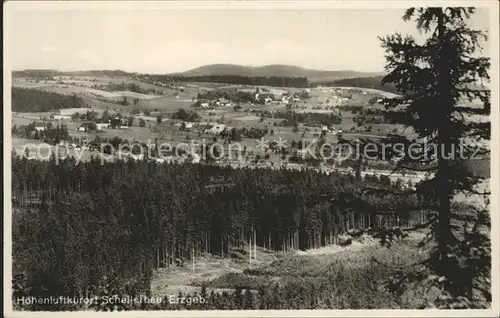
(225, 114)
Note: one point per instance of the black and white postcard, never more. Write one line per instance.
(248, 158)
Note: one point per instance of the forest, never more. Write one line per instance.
(233, 95)
(364, 82)
(75, 225)
(299, 82)
(50, 135)
(26, 100)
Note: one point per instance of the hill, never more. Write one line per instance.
(374, 82)
(51, 73)
(276, 70)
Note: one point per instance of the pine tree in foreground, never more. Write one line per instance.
(436, 79)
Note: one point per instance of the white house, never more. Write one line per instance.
(101, 126)
(40, 128)
(187, 124)
(61, 117)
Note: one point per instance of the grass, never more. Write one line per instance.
(346, 279)
(236, 280)
(167, 104)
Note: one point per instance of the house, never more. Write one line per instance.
(205, 105)
(262, 95)
(87, 127)
(40, 127)
(61, 117)
(186, 124)
(330, 130)
(101, 126)
(222, 102)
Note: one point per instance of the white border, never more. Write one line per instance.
(11, 7)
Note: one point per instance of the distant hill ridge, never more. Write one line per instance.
(314, 77)
(51, 73)
(278, 70)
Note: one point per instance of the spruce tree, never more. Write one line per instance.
(437, 80)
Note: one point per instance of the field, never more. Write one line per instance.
(248, 116)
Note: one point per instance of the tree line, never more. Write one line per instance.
(50, 134)
(363, 82)
(276, 81)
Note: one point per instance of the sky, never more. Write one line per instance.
(165, 41)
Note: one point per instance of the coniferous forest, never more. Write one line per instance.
(32, 100)
(276, 81)
(75, 226)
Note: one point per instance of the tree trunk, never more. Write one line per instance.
(255, 245)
